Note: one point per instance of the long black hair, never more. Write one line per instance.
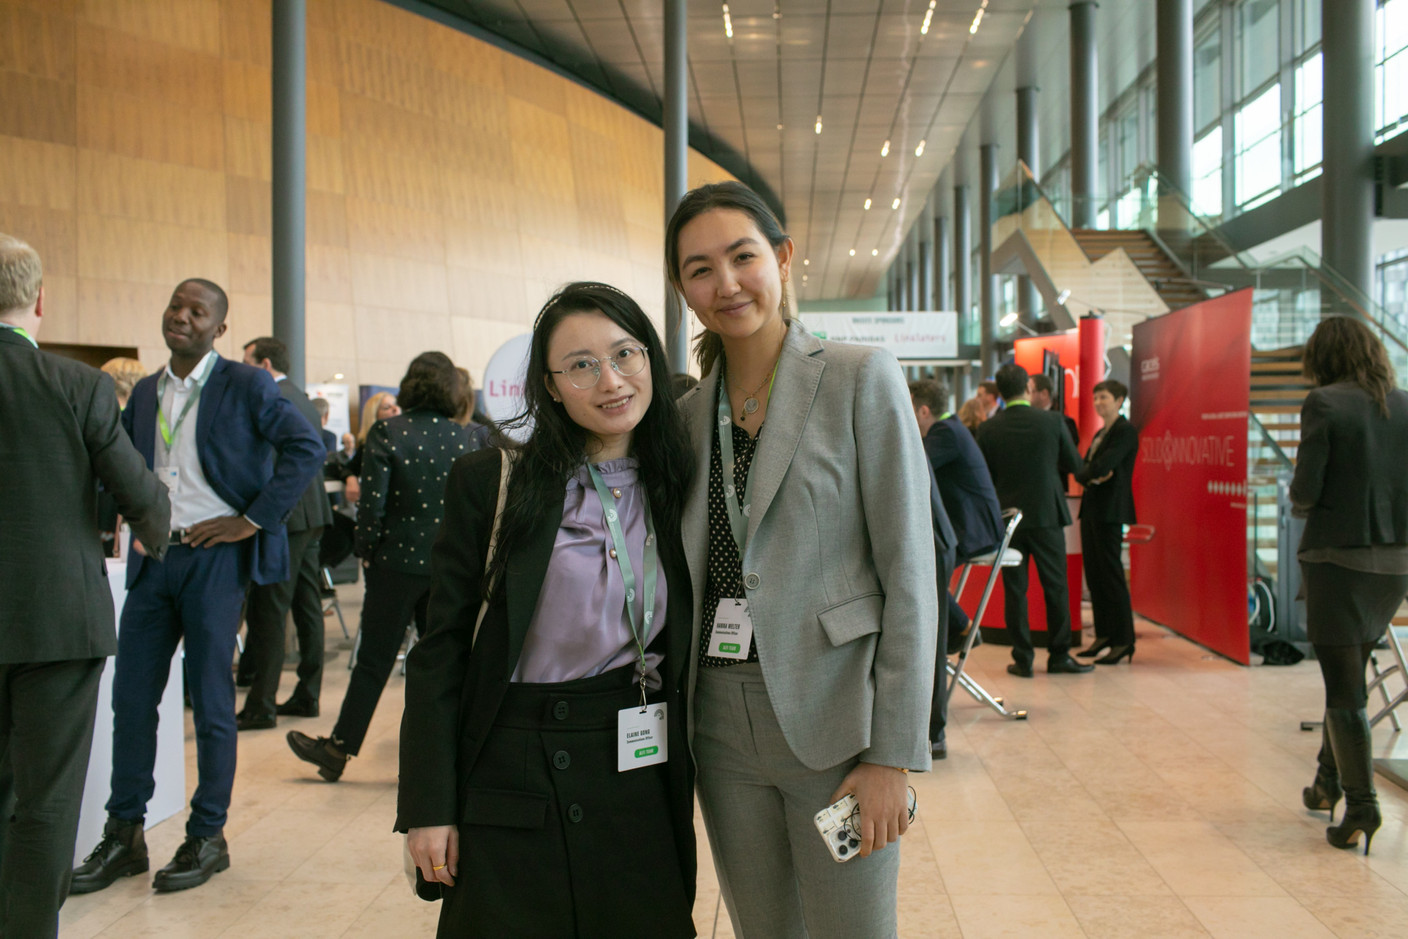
(725, 195)
(557, 445)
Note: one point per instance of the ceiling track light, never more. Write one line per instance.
(867, 205)
(978, 18)
(885, 150)
(818, 123)
(919, 150)
(928, 18)
(896, 203)
(728, 23)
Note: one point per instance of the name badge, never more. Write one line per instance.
(171, 475)
(641, 737)
(733, 630)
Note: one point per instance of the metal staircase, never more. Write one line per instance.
(1159, 268)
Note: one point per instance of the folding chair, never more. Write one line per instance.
(1396, 636)
(1002, 557)
(330, 601)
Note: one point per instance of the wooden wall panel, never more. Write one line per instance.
(452, 186)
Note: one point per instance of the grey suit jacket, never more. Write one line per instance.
(842, 547)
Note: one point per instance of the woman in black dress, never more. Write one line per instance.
(1351, 488)
(406, 460)
(529, 807)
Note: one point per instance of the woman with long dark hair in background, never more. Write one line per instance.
(1351, 488)
(546, 786)
(406, 461)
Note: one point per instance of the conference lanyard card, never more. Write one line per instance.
(733, 630)
(641, 738)
(171, 475)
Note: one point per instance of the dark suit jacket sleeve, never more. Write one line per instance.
(1313, 454)
(1070, 461)
(1121, 442)
(376, 484)
(939, 446)
(437, 666)
(141, 498)
(299, 453)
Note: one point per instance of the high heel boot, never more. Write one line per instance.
(1325, 792)
(1095, 649)
(1353, 750)
(1116, 653)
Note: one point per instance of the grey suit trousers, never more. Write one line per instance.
(759, 801)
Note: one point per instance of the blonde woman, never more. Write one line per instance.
(381, 406)
(125, 374)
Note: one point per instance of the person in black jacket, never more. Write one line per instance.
(1028, 453)
(1105, 508)
(522, 813)
(59, 437)
(405, 463)
(1351, 488)
(267, 605)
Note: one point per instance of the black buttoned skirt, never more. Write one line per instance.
(554, 841)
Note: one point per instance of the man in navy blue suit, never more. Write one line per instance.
(968, 495)
(211, 429)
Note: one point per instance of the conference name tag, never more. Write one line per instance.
(733, 630)
(171, 475)
(641, 738)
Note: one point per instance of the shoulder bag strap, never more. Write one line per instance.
(505, 468)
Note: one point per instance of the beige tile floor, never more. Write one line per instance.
(1160, 799)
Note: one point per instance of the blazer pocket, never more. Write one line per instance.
(504, 808)
(851, 619)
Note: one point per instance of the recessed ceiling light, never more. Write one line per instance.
(896, 203)
(928, 18)
(978, 18)
(885, 150)
(818, 123)
(806, 261)
(728, 23)
(874, 252)
(867, 205)
(779, 127)
(919, 150)
(853, 252)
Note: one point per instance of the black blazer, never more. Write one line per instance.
(453, 696)
(1350, 483)
(406, 460)
(1111, 502)
(966, 487)
(313, 509)
(1028, 453)
(59, 438)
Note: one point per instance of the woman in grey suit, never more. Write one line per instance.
(1351, 489)
(811, 554)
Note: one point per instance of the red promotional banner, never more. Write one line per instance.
(1189, 396)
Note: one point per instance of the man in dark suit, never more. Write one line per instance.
(59, 437)
(1028, 453)
(1040, 389)
(970, 504)
(1105, 508)
(211, 428)
(268, 605)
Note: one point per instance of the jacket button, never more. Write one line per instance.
(751, 581)
(574, 813)
(560, 710)
(561, 759)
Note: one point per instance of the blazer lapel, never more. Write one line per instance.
(694, 525)
(794, 390)
(211, 394)
(525, 572)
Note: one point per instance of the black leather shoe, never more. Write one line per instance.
(297, 707)
(196, 861)
(255, 722)
(1021, 671)
(121, 853)
(939, 748)
(1066, 665)
(1094, 649)
(320, 752)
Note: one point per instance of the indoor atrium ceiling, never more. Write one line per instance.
(800, 99)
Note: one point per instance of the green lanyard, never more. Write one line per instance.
(21, 332)
(168, 433)
(946, 416)
(640, 625)
(737, 515)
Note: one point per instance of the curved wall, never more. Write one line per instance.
(451, 185)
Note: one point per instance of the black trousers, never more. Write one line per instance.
(1101, 546)
(46, 733)
(265, 610)
(1047, 548)
(938, 704)
(554, 841)
(391, 601)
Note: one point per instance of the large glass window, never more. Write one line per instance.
(1258, 32)
(1207, 173)
(1391, 71)
(1393, 288)
(1258, 139)
(1307, 130)
(1207, 78)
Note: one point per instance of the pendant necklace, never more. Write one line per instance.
(751, 403)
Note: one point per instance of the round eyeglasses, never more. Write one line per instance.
(585, 372)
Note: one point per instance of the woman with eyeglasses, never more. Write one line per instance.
(812, 549)
(545, 779)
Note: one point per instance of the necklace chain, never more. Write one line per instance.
(750, 401)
